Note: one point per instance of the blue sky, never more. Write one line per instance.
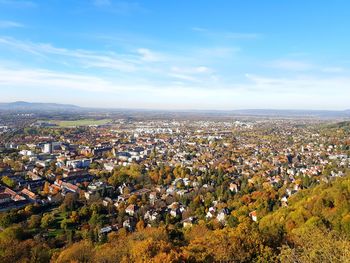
(177, 54)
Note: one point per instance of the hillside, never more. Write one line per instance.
(35, 106)
(315, 227)
(341, 125)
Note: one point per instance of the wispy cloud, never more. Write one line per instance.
(304, 91)
(119, 7)
(199, 29)
(293, 65)
(84, 58)
(145, 74)
(217, 52)
(305, 84)
(9, 24)
(232, 35)
(145, 95)
(192, 70)
(148, 55)
(38, 78)
(333, 70)
(225, 34)
(146, 62)
(18, 3)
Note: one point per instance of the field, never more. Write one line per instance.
(82, 122)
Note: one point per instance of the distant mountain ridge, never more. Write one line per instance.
(36, 106)
(23, 106)
(291, 113)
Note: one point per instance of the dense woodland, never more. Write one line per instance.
(315, 227)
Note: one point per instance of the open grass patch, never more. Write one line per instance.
(82, 122)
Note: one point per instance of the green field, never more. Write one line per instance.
(82, 122)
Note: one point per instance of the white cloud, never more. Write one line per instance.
(138, 62)
(333, 69)
(148, 55)
(203, 69)
(34, 78)
(225, 34)
(183, 77)
(118, 7)
(216, 52)
(232, 35)
(260, 91)
(191, 70)
(308, 84)
(196, 78)
(9, 24)
(83, 57)
(200, 74)
(39, 78)
(293, 65)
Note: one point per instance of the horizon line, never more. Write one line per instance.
(180, 109)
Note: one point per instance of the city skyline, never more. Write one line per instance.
(197, 55)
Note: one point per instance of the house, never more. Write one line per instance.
(71, 187)
(75, 173)
(221, 217)
(79, 163)
(174, 209)
(151, 216)
(174, 212)
(98, 189)
(284, 201)
(130, 210)
(14, 196)
(100, 151)
(253, 216)
(211, 212)
(233, 187)
(107, 201)
(170, 190)
(188, 222)
(128, 224)
(153, 195)
(105, 230)
(109, 166)
(33, 176)
(54, 188)
(30, 195)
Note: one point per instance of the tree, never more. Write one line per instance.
(9, 218)
(140, 225)
(34, 221)
(74, 217)
(8, 181)
(69, 202)
(47, 220)
(316, 245)
(78, 252)
(40, 254)
(46, 188)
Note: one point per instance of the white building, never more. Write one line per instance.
(47, 148)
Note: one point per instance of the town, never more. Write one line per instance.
(76, 182)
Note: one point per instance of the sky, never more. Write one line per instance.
(156, 54)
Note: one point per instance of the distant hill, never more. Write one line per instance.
(36, 106)
(23, 106)
(345, 125)
(293, 113)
